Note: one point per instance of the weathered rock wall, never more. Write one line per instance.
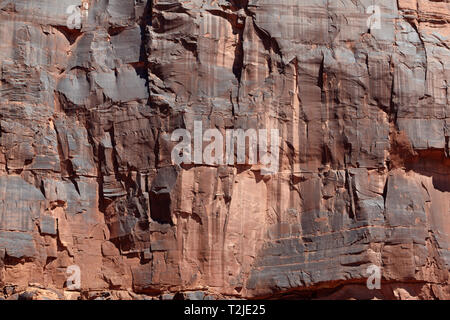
(86, 176)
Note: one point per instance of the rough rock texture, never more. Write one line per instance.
(86, 176)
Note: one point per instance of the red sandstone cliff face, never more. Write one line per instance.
(86, 176)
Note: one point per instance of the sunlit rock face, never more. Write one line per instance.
(91, 92)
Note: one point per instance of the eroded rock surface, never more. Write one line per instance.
(86, 176)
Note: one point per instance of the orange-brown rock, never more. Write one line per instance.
(87, 112)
